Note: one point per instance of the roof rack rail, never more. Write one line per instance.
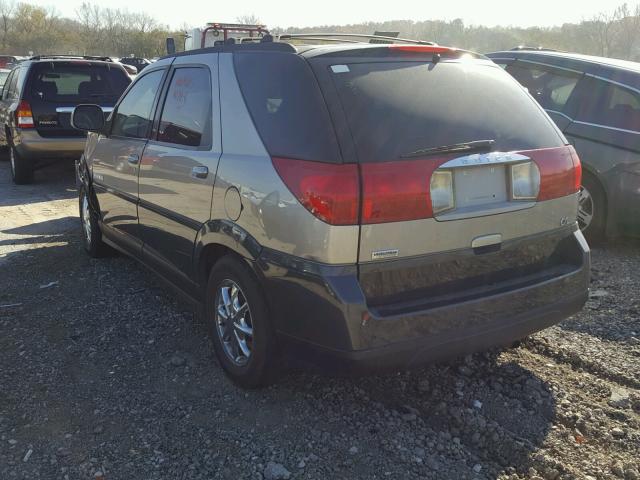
(332, 37)
(83, 57)
(525, 47)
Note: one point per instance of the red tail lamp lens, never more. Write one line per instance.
(24, 115)
(560, 171)
(397, 191)
(329, 191)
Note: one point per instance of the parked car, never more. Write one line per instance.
(366, 206)
(36, 106)
(4, 74)
(8, 61)
(138, 63)
(595, 101)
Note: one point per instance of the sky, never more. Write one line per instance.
(276, 13)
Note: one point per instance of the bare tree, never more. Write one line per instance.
(248, 19)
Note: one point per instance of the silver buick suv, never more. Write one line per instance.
(364, 206)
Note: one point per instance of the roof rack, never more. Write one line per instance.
(83, 57)
(335, 37)
(525, 47)
(227, 28)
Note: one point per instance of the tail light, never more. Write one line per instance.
(560, 171)
(329, 191)
(24, 115)
(406, 190)
(397, 191)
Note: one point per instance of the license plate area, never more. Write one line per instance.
(481, 185)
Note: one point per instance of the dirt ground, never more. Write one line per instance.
(104, 374)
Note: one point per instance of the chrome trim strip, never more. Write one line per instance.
(623, 85)
(549, 65)
(491, 158)
(70, 109)
(559, 113)
(607, 127)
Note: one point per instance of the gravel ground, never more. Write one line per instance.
(106, 375)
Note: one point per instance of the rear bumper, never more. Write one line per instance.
(322, 315)
(29, 144)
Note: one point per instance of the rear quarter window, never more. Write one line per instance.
(286, 105)
(396, 107)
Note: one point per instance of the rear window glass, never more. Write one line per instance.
(66, 82)
(286, 105)
(394, 108)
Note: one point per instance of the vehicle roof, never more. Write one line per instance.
(623, 71)
(303, 50)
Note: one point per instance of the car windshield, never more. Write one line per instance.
(78, 82)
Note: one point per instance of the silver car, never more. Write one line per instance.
(364, 206)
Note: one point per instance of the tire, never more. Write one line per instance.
(21, 168)
(592, 209)
(4, 153)
(91, 233)
(249, 359)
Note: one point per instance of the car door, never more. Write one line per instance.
(178, 167)
(116, 158)
(606, 134)
(550, 86)
(6, 101)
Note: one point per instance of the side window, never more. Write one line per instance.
(12, 93)
(133, 114)
(7, 85)
(186, 115)
(608, 104)
(550, 88)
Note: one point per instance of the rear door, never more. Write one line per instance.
(54, 88)
(606, 134)
(116, 158)
(415, 204)
(178, 167)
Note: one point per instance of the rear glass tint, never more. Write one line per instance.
(394, 108)
(286, 105)
(77, 82)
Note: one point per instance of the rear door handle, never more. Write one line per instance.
(133, 159)
(200, 171)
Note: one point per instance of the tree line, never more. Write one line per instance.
(614, 33)
(99, 30)
(95, 30)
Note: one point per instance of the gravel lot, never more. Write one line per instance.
(106, 375)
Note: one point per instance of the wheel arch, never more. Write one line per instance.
(218, 238)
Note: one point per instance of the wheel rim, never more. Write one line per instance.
(12, 158)
(86, 219)
(586, 208)
(234, 322)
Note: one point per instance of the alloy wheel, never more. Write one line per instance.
(233, 322)
(86, 218)
(586, 208)
(12, 158)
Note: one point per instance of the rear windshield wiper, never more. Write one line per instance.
(475, 146)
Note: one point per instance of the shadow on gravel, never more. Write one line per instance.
(480, 411)
(116, 369)
(55, 226)
(53, 181)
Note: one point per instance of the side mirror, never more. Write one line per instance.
(171, 46)
(89, 118)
